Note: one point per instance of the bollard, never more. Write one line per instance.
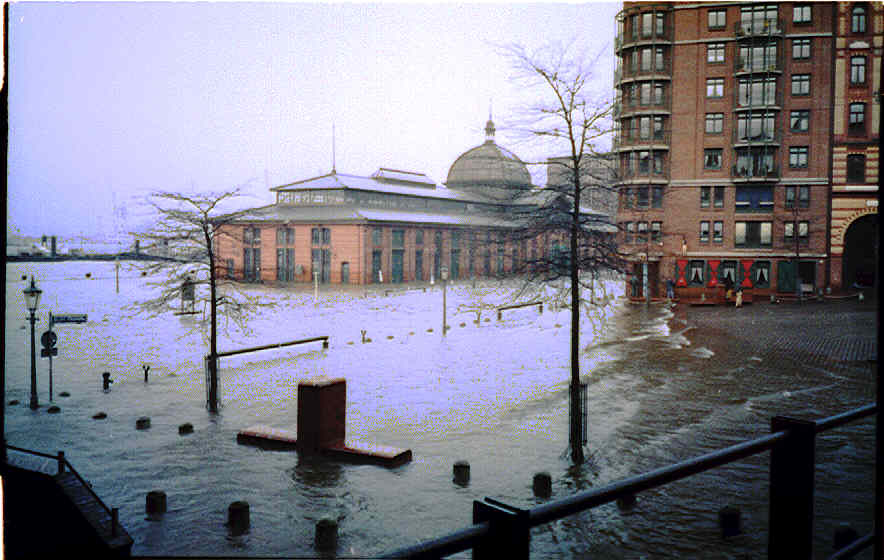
(184, 429)
(461, 473)
(626, 502)
(53, 409)
(13, 402)
(238, 518)
(142, 423)
(146, 369)
(729, 520)
(363, 336)
(326, 537)
(155, 504)
(61, 462)
(64, 394)
(542, 485)
(99, 416)
(106, 381)
(844, 536)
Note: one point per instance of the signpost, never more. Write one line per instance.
(49, 339)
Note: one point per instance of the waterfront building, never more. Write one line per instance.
(390, 227)
(742, 174)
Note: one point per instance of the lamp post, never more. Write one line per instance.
(32, 300)
(444, 272)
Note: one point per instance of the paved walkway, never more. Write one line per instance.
(843, 331)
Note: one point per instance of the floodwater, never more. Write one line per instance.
(494, 394)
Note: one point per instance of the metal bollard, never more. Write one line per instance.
(729, 520)
(326, 537)
(155, 503)
(542, 485)
(60, 462)
(461, 473)
(238, 518)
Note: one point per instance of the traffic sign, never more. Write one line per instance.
(48, 339)
(69, 318)
(46, 352)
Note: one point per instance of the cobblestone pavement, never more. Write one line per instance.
(832, 330)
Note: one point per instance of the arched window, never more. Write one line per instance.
(858, 20)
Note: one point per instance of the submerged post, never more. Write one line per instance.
(792, 465)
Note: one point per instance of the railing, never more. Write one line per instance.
(764, 138)
(636, 139)
(63, 465)
(324, 340)
(750, 65)
(657, 69)
(517, 306)
(630, 103)
(504, 531)
(765, 173)
(759, 28)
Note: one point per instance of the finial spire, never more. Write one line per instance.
(333, 148)
(489, 127)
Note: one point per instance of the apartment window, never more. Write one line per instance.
(285, 236)
(647, 24)
(761, 274)
(755, 162)
(758, 57)
(717, 19)
(717, 231)
(801, 14)
(857, 122)
(705, 195)
(856, 168)
(752, 91)
(752, 234)
(799, 121)
(715, 52)
(656, 197)
(800, 84)
(696, 269)
(642, 199)
(858, 20)
(642, 232)
(800, 49)
(857, 70)
(704, 232)
(322, 236)
(789, 232)
(419, 237)
(758, 18)
(251, 236)
(798, 157)
(718, 197)
(656, 231)
(658, 94)
(646, 59)
(377, 237)
(714, 123)
(630, 230)
(752, 198)
(644, 161)
(802, 194)
(712, 158)
(755, 126)
(715, 87)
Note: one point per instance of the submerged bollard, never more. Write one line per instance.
(155, 503)
(99, 416)
(326, 537)
(106, 381)
(53, 409)
(184, 429)
(729, 519)
(844, 536)
(238, 517)
(461, 473)
(142, 423)
(146, 369)
(542, 485)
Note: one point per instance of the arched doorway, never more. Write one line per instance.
(860, 248)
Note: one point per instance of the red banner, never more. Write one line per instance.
(747, 274)
(682, 266)
(713, 273)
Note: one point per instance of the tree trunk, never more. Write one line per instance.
(576, 435)
(213, 329)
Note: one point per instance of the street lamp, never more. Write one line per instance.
(444, 272)
(32, 300)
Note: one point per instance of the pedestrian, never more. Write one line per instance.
(670, 289)
(739, 302)
(728, 287)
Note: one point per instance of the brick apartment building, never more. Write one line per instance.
(748, 144)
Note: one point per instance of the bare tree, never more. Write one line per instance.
(575, 243)
(186, 233)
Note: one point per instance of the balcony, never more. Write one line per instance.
(656, 104)
(654, 141)
(643, 37)
(759, 65)
(747, 100)
(645, 174)
(762, 173)
(659, 70)
(759, 28)
(756, 138)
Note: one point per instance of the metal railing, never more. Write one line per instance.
(504, 531)
(64, 465)
(761, 27)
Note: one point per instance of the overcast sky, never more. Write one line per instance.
(110, 101)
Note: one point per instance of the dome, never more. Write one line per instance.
(489, 169)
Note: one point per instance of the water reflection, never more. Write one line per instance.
(314, 471)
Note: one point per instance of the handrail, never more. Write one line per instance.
(470, 536)
(324, 340)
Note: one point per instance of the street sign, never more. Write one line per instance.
(48, 339)
(48, 352)
(69, 318)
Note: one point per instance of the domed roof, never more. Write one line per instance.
(489, 167)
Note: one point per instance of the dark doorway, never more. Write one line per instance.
(860, 249)
(345, 273)
(398, 259)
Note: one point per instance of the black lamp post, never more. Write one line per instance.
(32, 300)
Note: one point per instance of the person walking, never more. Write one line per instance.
(739, 302)
(670, 289)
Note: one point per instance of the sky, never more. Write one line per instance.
(111, 101)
